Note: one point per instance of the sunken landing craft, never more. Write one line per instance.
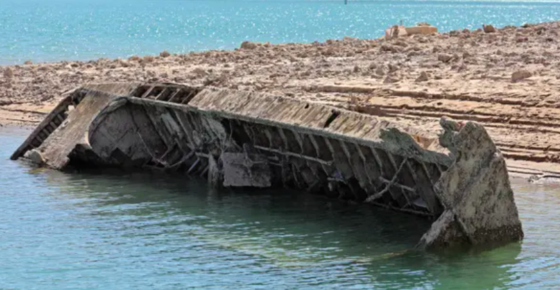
(249, 139)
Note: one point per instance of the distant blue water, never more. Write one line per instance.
(51, 30)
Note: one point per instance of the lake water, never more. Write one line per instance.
(53, 30)
(116, 231)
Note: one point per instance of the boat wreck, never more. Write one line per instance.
(250, 139)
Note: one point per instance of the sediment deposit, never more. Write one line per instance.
(506, 80)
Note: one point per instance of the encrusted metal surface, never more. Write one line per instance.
(239, 138)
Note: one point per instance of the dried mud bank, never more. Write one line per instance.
(506, 80)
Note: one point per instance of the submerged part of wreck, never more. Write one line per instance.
(248, 139)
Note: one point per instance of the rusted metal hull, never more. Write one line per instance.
(237, 138)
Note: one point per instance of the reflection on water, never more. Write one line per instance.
(139, 231)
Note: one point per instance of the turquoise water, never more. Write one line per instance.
(41, 30)
(118, 231)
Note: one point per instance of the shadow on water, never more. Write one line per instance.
(146, 195)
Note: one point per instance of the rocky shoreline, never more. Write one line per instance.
(506, 79)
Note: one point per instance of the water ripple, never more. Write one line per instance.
(135, 231)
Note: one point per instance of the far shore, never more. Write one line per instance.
(507, 80)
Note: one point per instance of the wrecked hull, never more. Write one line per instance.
(248, 139)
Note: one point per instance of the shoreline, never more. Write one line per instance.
(506, 80)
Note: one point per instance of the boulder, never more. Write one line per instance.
(488, 28)
(445, 57)
(520, 75)
(8, 73)
(248, 45)
(422, 78)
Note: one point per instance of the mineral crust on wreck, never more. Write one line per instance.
(249, 139)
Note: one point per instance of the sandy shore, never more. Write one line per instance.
(508, 80)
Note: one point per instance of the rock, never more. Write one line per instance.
(422, 78)
(445, 57)
(8, 73)
(148, 59)
(520, 75)
(248, 45)
(28, 62)
(164, 54)
(400, 43)
(123, 63)
(521, 39)
(390, 79)
(46, 98)
(488, 28)
(327, 52)
(380, 71)
(199, 72)
(35, 156)
(389, 48)
(5, 102)
(134, 58)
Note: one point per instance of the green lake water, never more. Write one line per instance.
(141, 231)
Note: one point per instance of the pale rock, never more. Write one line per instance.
(380, 71)
(199, 72)
(445, 57)
(36, 157)
(520, 75)
(423, 77)
(389, 79)
(8, 73)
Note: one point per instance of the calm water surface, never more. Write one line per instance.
(108, 231)
(52, 30)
